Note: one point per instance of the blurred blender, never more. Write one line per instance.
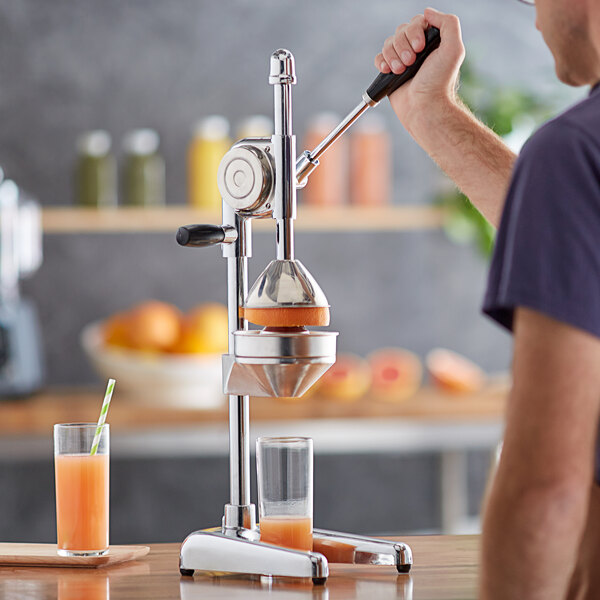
(210, 141)
(21, 369)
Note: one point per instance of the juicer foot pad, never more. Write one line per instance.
(187, 572)
(403, 568)
(319, 580)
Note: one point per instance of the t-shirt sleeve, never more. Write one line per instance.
(547, 254)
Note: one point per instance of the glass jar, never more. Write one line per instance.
(370, 163)
(143, 171)
(95, 170)
(328, 184)
(210, 141)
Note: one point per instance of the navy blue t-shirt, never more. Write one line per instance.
(547, 254)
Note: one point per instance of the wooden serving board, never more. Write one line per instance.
(45, 555)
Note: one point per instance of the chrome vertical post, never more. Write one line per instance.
(282, 77)
(239, 513)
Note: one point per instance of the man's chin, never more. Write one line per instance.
(568, 76)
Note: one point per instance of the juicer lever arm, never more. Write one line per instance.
(201, 236)
(383, 85)
(387, 83)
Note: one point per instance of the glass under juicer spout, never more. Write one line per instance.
(258, 178)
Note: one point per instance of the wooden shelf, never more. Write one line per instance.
(36, 415)
(167, 220)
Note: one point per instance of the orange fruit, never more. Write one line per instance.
(454, 373)
(347, 380)
(299, 316)
(115, 330)
(153, 326)
(205, 330)
(396, 374)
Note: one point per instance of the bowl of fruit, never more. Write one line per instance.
(158, 354)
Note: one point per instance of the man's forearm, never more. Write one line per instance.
(535, 516)
(470, 153)
(530, 541)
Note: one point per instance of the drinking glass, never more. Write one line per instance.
(285, 491)
(82, 489)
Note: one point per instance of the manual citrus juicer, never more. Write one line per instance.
(258, 178)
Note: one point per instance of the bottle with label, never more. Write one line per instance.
(328, 184)
(210, 142)
(95, 170)
(143, 170)
(370, 162)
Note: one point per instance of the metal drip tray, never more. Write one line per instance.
(277, 364)
(282, 345)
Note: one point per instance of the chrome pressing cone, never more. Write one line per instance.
(286, 283)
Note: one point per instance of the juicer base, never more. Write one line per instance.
(238, 550)
(348, 548)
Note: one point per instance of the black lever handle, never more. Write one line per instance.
(200, 236)
(386, 83)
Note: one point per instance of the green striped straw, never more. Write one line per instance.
(109, 391)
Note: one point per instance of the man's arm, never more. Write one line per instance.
(536, 511)
(470, 153)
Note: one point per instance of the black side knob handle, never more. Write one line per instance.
(200, 236)
(386, 83)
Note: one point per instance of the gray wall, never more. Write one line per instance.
(71, 65)
(163, 499)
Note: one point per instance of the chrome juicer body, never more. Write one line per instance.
(258, 178)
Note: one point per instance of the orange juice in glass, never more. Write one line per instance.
(285, 491)
(288, 531)
(82, 489)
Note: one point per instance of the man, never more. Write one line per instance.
(541, 528)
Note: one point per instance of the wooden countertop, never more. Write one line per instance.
(36, 415)
(445, 568)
